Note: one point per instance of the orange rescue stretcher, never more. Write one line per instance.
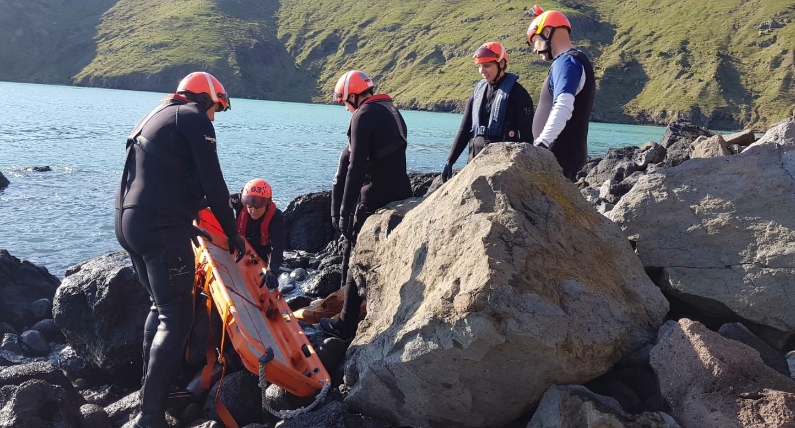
(260, 325)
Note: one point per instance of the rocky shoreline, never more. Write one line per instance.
(656, 292)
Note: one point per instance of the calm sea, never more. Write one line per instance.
(65, 216)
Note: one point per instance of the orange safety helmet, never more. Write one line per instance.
(550, 18)
(257, 193)
(352, 82)
(491, 51)
(205, 89)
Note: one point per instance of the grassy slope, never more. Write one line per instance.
(655, 59)
(151, 44)
(47, 41)
(701, 57)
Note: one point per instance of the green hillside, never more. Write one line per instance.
(724, 64)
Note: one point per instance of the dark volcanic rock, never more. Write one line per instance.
(50, 331)
(334, 415)
(38, 395)
(34, 344)
(307, 222)
(241, 395)
(39, 310)
(617, 164)
(3, 181)
(421, 182)
(324, 282)
(22, 283)
(101, 308)
(677, 138)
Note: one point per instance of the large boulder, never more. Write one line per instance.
(307, 222)
(710, 147)
(22, 283)
(727, 247)
(714, 382)
(38, 395)
(617, 164)
(101, 308)
(495, 287)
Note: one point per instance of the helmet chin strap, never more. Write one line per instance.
(547, 42)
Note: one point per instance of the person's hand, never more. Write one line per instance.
(271, 280)
(195, 232)
(234, 199)
(540, 143)
(237, 243)
(335, 221)
(346, 228)
(447, 172)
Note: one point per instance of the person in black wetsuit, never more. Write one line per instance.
(171, 167)
(262, 224)
(503, 110)
(371, 173)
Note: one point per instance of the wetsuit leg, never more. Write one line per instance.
(163, 242)
(349, 317)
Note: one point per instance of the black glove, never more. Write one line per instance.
(237, 243)
(346, 228)
(271, 280)
(447, 172)
(195, 232)
(234, 199)
(335, 221)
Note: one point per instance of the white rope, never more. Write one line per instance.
(288, 414)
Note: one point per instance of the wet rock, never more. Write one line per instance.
(298, 302)
(710, 147)
(38, 395)
(3, 181)
(287, 287)
(576, 406)
(323, 282)
(307, 222)
(50, 331)
(242, 397)
(22, 283)
(39, 310)
(6, 328)
(11, 344)
(773, 358)
(93, 416)
(299, 275)
(34, 344)
(692, 227)
(461, 274)
(297, 259)
(193, 414)
(334, 415)
(101, 308)
(421, 182)
(39, 169)
(714, 382)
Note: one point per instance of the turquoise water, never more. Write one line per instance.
(65, 216)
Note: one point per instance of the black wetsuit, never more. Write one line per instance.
(170, 168)
(273, 251)
(518, 119)
(371, 173)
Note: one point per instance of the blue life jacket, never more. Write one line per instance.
(497, 115)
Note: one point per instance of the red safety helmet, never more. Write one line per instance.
(352, 82)
(491, 51)
(257, 193)
(202, 83)
(550, 18)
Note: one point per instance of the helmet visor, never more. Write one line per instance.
(486, 53)
(225, 103)
(254, 201)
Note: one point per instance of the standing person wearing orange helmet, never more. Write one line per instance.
(171, 167)
(262, 224)
(567, 95)
(376, 150)
(499, 109)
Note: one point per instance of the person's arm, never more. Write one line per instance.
(567, 78)
(276, 234)
(524, 114)
(338, 186)
(235, 201)
(200, 134)
(463, 136)
(361, 138)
